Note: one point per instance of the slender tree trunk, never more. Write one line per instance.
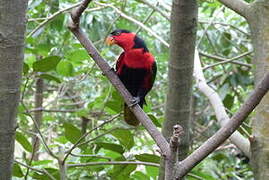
(259, 23)
(12, 29)
(182, 45)
(38, 115)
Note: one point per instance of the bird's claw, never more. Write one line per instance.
(134, 101)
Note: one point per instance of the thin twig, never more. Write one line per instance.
(39, 132)
(55, 110)
(48, 19)
(53, 16)
(135, 22)
(91, 155)
(43, 171)
(85, 135)
(218, 58)
(147, 18)
(114, 163)
(156, 8)
(229, 60)
(209, 24)
(224, 24)
(100, 135)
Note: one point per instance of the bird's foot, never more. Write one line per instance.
(134, 101)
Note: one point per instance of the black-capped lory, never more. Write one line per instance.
(135, 67)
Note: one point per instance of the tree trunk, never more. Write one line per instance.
(259, 24)
(12, 29)
(182, 45)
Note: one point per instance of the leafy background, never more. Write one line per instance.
(77, 97)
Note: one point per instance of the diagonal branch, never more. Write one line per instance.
(239, 6)
(225, 132)
(113, 78)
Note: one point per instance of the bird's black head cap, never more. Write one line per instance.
(119, 31)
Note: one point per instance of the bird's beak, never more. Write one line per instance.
(110, 41)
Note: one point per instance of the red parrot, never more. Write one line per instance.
(135, 67)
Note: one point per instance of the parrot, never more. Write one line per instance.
(135, 67)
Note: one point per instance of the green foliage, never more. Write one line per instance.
(65, 68)
(148, 158)
(71, 132)
(17, 172)
(110, 146)
(23, 141)
(46, 64)
(125, 137)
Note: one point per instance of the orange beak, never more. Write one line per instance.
(110, 41)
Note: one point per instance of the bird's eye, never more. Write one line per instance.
(117, 33)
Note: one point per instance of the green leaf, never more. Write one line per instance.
(65, 68)
(16, 171)
(61, 139)
(25, 68)
(20, 138)
(50, 78)
(203, 175)
(41, 162)
(226, 43)
(125, 137)
(112, 147)
(138, 175)
(228, 101)
(78, 55)
(224, 90)
(148, 158)
(53, 172)
(72, 133)
(121, 172)
(115, 106)
(154, 120)
(58, 22)
(46, 64)
(152, 171)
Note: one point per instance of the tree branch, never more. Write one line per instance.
(240, 141)
(171, 159)
(221, 59)
(114, 163)
(223, 133)
(231, 60)
(112, 76)
(239, 6)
